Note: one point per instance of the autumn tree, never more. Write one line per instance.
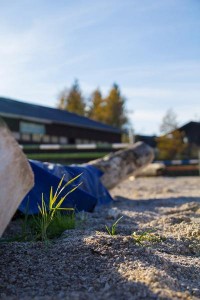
(97, 106)
(72, 100)
(171, 143)
(109, 110)
(114, 110)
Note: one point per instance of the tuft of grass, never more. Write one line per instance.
(147, 236)
(52, 219)
(50, 222)
(60, 223)
(113, 228)
(49, 230)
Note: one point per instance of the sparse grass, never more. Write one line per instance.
(147, 236)
(60, 222)
(112, 230)
(52, 219)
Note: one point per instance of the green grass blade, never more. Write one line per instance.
(113, 230)
(59, 186)
(63, 198)
(117, 221)
(51, 197)
(50, 219)
(40, 209)
(64, 208)
(108, 230)
(68, 183)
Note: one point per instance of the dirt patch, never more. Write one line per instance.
(87, 263)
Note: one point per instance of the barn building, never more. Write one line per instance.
(35, 124)
(147, 139)
(191, 131)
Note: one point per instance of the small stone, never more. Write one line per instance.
(114, 213)
(132, 178)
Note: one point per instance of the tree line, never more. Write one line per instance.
(109, 110)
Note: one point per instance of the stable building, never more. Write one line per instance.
(35, 124)
(191, 131)
(147, 139)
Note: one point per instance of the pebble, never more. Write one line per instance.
(114, 213)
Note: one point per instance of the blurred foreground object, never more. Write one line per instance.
(154, 169)
(16, 176)
(97, 176)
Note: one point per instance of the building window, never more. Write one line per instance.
(78, 141)
(26, 137)
(36, 137)
(63, 140)
(34, 128)
(46, 138)
(54, 139)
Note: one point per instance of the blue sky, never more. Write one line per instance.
(151, 48)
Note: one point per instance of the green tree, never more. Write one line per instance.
(72, 100)
(96, 109)
(114, 110)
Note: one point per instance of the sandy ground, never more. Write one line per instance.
(87, 263)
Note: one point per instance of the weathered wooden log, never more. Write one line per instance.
(16, 176)
(117, 166)
(154, 169)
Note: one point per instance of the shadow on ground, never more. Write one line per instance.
(85, 264)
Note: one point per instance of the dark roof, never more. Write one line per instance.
(10, 107)
(192, 131)
(147, 139)
(191, 125)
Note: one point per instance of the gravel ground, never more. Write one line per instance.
(87, 263)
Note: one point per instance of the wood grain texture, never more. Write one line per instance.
(117, 166)
(16, 176)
